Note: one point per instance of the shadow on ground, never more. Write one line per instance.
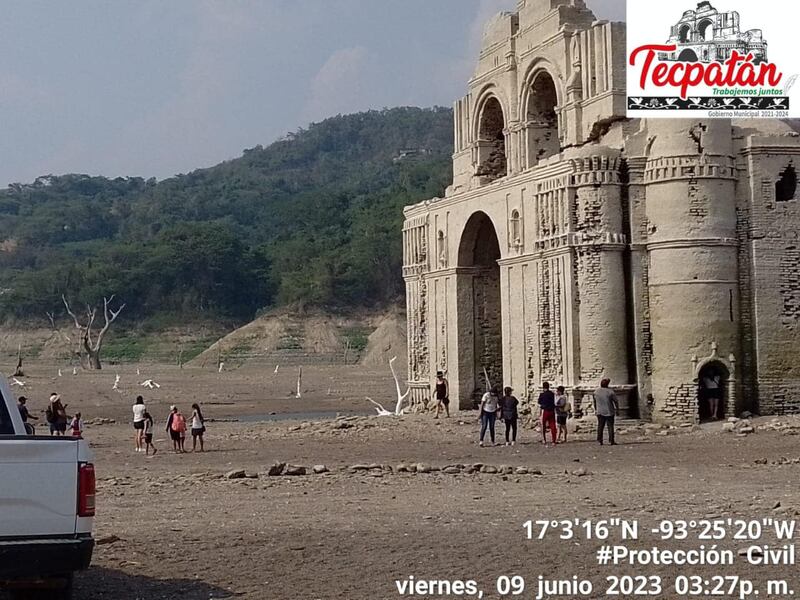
(109, 584)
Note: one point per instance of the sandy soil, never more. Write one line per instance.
(187, 531)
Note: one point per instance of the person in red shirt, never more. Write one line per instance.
(547, 406)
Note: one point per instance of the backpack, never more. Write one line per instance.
(178, 422)
(48, 413)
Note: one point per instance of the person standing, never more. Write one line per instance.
(547, 407)
(509, 413)
(490, 404)
(176, 426)
(442, 395)
(563, 409)
(56, 415)
(138, 423)
(606, 406)
(198, 427)
(23, 412)
(76, 426)
(148, 434)
(713, 393)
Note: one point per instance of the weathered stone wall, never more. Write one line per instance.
(773, 245)
(644, 251)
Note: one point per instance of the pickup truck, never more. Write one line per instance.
(47, 496)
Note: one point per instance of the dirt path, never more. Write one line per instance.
(186, 531)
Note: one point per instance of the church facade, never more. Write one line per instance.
(575, 244)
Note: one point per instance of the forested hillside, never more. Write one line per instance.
(313, 219)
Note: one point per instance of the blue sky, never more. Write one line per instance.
(155, 88)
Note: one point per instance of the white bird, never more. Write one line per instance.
(59, 372)
(221, 366)
(276, 369)
(15, 381)
(137, 371)
(74, 370)
(149, 383)
(116, 382)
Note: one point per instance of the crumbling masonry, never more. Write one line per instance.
(575, 244)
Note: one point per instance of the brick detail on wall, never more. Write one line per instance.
(789, 285)
(488, 326)
(698, 205)
(681, 404)
(589, 275)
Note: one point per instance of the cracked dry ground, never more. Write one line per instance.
(186, 531)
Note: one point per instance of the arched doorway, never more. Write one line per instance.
(542, 119)
(479, 311)
(492, 161)
(712, 384)
(684, 33)
(706, 30)
(687, 55)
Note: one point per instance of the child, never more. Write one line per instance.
(563, 410)
(148, 434)
(76, 426)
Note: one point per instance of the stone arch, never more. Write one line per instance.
(705, 30)
(713, 372)
(541, 101)
(687, 55)
(479, 309)
(685, 33)
(786, 186)
(490, 121)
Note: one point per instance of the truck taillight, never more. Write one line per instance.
(86, 490)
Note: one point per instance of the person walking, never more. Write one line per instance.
(509, 413)
(442, 395)
(563, 410)
(198, 427)
(148, 434)
(56, 415)
(547, 407)
(606, 406)
(25, 415)
(138, 423)
(490, 404)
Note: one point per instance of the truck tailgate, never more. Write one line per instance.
(38, 486)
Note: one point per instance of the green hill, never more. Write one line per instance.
(313, 219)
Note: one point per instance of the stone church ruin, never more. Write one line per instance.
(576, 244)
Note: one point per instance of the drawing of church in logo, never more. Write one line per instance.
(708, 35)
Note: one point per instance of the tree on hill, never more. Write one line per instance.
(314, 218)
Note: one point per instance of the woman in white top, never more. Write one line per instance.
(138, 422)
(198, 427)
(490, 404)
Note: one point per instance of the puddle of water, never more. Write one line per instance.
(303, 416)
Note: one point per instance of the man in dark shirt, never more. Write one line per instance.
(509, 412)
(547, 406)
(23, 412)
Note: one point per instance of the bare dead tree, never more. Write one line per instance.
(18, 372)
(67, 340)
(91, 342)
